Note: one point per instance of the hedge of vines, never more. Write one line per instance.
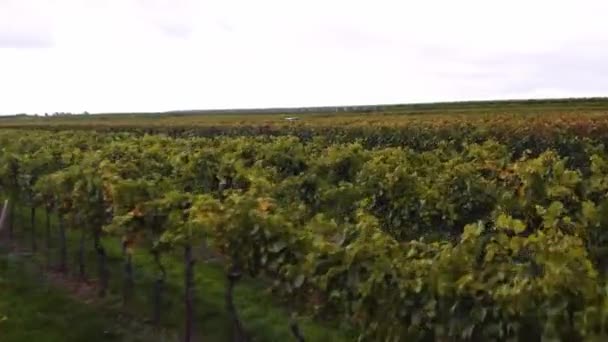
(534, 131)
(462, 239)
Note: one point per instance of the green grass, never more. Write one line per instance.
(264, 316)
(33, 310)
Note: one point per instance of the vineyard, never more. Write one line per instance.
(471, 227)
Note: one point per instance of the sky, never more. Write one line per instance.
(158, 55)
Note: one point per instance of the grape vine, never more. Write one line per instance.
(461, 239)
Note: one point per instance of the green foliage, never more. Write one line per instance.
(445, 239)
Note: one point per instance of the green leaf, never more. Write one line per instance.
(473, 230)
(505, 221)
(590, 214)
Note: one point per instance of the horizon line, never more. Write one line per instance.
(328, 107)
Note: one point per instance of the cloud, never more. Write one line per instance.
(23, 24)
(142, 55)
(24, 40)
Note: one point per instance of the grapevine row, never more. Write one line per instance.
(460, 240)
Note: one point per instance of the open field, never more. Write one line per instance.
(452, 222)
(393, 115)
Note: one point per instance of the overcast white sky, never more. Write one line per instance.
(156, 55)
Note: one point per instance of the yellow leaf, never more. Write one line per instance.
(265, 204)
